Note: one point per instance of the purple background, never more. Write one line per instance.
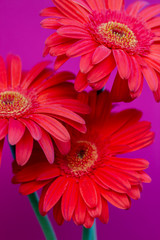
(20, 33)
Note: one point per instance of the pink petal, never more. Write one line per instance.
(123, 63)
(120, 90)
(51, 12)
(24, 149)
(135, 78)
(115, 4)
(81, 82)
(49, 174)
(50, 23)
(54, 193)
(104, 217)
(60, 60)
(85, 63)
(69, 200)
(151, 77)
(16, 69)
(57, 213)
(100, 54)
(150, 12)
(80, 211)
(15, 131)
(88, 222)
(60, 111)
(154, 22)
(31, 187)
(81, 47)
(64, 147)
(135, 7)
(47, 146)
(3, 74)
(33, 128)
(52, 126)
(88, 191)
(117, 199)
(33, 73)
(101, 69)
(3, 128)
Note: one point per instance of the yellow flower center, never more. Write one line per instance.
(13, 104)
(82, 157)
(117, 35)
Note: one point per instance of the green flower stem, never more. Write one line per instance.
(43, 221)
(90, 233)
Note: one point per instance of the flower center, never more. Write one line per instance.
(115, 29)
(13, 104)
(117, 35)
(81, 159)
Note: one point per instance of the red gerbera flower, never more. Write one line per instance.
(80, 184)
(31, 105)
(106, 35)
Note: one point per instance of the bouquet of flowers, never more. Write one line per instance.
(69, 140)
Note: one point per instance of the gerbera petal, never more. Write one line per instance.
(51, 12)
(70, 9)
(54, 193)
(16, 69)
(81, 47)
(50, 23)
(104, 217)
(74, 105)
(154, 22)
(135, 78)
(95, 212)
(120, 90)
(100, 54)
(24, 148)
(50, 173)
(52, 126)
(15, 131)
(64, 147)
(123, 63)
(80, 211)
(31, 187)
(60, 111)
(88, 191)
(47, 146)
(3, 128)
(69, 200)
(88, 222)
(60, 60)
(150, 12)
(57, 213)
(86, 63)
(112, 181)
(72, 32)
(135, 7)
(117, 199)
(151, 77)
(81, 82)
(115, 4)
(33, 73)
(128, 163)
(101, 69)
(134, 192)
(3, 74)
(33, 128)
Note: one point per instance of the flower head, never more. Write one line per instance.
(106, 35)
(31, 105)
(80, 184)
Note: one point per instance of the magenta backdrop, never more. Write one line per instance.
(21, 34)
